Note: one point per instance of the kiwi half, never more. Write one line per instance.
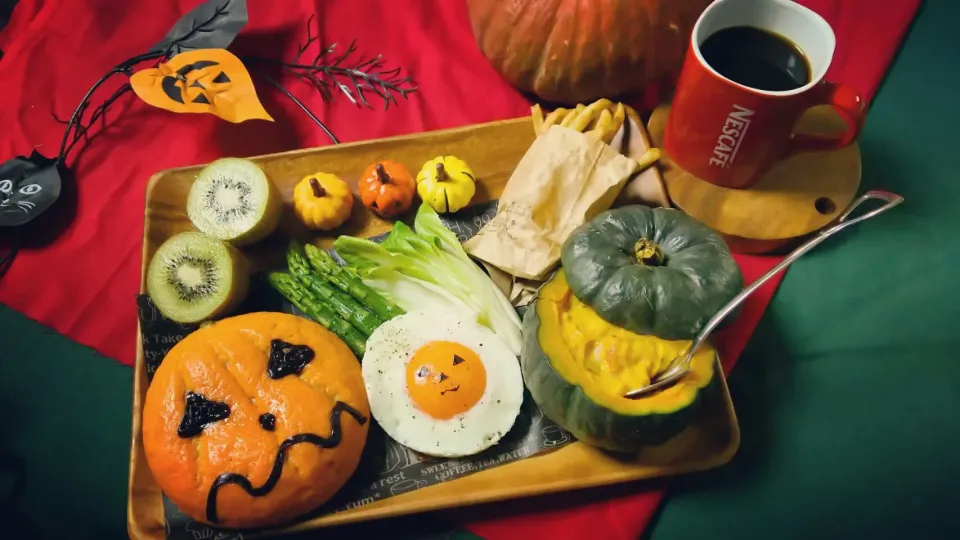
(233, 200)
(193, 277)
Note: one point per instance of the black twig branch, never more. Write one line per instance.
(330, 72)
(300, 104)
(77, 127)
(83, 126)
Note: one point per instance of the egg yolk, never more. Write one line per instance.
(445, 379)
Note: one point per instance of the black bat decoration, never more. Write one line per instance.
(212, 25)
(28, 186)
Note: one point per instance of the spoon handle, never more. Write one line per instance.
(844, 221)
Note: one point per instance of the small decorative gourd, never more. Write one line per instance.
(446, 183)
(322, 201)
(387, 188)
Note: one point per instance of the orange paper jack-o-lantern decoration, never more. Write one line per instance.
(201, 81)
(255, 420)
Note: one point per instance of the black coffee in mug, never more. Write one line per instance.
(756, 58)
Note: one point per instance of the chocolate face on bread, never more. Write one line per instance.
(255, 420)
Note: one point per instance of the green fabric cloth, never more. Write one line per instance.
(845, 394)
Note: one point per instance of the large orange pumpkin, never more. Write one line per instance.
(255, 420)
(571, 51)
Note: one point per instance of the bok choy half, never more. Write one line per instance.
(426, 267)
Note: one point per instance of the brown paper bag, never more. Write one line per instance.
(565, 179)
(646, 187)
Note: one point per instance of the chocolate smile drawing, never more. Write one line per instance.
(330, 442)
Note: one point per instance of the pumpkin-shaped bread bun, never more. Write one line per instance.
(255, 420)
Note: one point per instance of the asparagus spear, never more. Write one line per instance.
(323, 263)
(294, 291)
(341, 302)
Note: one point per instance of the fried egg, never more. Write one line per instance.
(440, 384)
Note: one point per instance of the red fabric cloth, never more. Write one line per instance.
(83, 282)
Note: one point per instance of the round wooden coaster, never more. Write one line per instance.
(798, 196)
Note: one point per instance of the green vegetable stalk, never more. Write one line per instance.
(298, 295)
(409, 260)
(341, 302)
(323, 263)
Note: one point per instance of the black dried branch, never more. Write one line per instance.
(100, 113)
(77, 127)
(328, 72)
(310, 40)
(300, 104)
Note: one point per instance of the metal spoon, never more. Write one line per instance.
(680, 365)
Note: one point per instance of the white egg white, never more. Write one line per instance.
(391, 347)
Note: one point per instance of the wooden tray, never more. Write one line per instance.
(493, 151)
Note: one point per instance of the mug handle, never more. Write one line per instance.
(847, 102)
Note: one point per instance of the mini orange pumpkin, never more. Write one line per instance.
(254, 420)
(387, 188)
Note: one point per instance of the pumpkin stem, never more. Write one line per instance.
(441, 172)
(382, 174)
(648, 253)
(318, 190)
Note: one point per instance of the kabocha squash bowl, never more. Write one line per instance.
(570, 386)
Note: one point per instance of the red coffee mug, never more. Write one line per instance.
(730, 134)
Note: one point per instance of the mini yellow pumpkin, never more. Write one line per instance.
(322, 201)
(446, 183)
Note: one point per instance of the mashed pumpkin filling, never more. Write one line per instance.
(606, 361)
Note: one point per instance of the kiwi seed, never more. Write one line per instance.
(241, 208)
(190, 293)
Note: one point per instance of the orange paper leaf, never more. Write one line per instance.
(201, 81)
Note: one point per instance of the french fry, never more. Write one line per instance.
(573, 115)
(649, 158)
(612, 123)
(602, 128)
(613, 126)
(554, 118)
(618, 115)
(601, 119)
(537, 113)
(590, 114)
